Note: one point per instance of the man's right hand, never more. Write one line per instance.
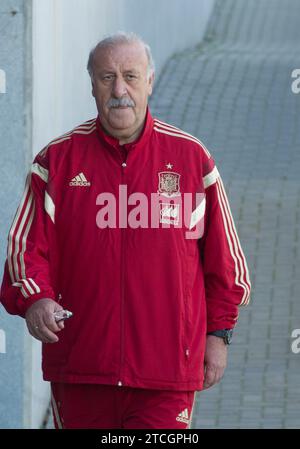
(41, 322)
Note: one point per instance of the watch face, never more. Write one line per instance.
(228, 337)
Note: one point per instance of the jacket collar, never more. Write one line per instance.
(139, 142)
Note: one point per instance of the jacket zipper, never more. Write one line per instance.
(122, 275)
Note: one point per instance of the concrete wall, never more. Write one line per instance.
(14, 144)
(43, 54)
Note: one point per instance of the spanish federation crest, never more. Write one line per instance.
(168, 184)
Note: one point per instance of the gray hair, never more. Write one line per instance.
(121, 38)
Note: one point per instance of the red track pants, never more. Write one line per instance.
(113, 407)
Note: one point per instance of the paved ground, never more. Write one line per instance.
(234, 93)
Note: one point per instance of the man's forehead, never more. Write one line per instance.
(125, 54)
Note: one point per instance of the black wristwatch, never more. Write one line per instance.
(226, 334)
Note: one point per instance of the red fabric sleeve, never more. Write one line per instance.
(227, 283)
(26, 276)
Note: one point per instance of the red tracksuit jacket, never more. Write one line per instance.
(142, 297)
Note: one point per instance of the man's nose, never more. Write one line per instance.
(119, 87)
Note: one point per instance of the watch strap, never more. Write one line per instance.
(226, 334)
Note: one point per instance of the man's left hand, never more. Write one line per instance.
(215, 360)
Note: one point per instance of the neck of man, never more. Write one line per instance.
(124, 138)
(132, 137)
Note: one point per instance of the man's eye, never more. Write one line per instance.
(107, 77)
(130, 77)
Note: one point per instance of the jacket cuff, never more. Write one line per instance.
(212, 327)
(27, 303)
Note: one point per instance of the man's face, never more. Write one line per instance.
(121, 87)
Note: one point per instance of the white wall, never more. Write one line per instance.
(63, 33)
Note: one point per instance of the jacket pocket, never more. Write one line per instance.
(190, 269)
(186, 329)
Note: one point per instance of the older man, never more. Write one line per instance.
(100, 232)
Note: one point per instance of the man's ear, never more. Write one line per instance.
(151, 83)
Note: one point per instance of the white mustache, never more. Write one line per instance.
(119, 102)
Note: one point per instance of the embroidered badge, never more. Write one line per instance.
(168, 184)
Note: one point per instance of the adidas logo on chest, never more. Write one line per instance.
(80, 181)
